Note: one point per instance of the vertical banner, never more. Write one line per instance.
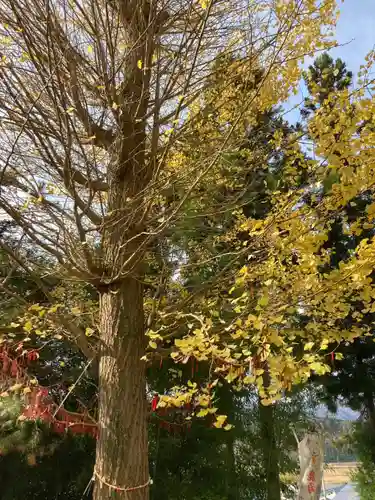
(311, 458)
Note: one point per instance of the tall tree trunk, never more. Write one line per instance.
(122, 455)
(270, 451)
(232, 489)
(122, 450)
(228, 406)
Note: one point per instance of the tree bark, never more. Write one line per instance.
(232, 489)
(122, 450)
(270, 451)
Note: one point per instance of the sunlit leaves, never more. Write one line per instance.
(288, 308)
(89, 332)
(28, 326)
(220, 420)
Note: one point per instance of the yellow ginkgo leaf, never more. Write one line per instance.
(202, 413)
(28, 326)
(139, 64)
(308, 346)
(15, 387)
(263, 301)
(220, 420)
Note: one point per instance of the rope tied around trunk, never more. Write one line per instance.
(114, 487)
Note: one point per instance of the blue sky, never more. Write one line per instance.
(356, 29)
(356, 35)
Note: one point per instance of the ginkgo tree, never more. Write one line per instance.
(285, 306)
(96, 100)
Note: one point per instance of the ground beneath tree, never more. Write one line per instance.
(337, 479)
(338, 473)
(347, 493)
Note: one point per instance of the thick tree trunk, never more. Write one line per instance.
(270, 451)
(270, 448)
(122, 450)
(232, 488)
(122, 454)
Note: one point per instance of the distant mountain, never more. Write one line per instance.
(343, 413)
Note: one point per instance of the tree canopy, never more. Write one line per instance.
(168, 213)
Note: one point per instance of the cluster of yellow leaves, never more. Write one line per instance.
(267, 342)
(200, 399)
(264, 75)
(47, 321)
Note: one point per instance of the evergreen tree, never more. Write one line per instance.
(247, 177)
(352, 380)
(322, 78)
